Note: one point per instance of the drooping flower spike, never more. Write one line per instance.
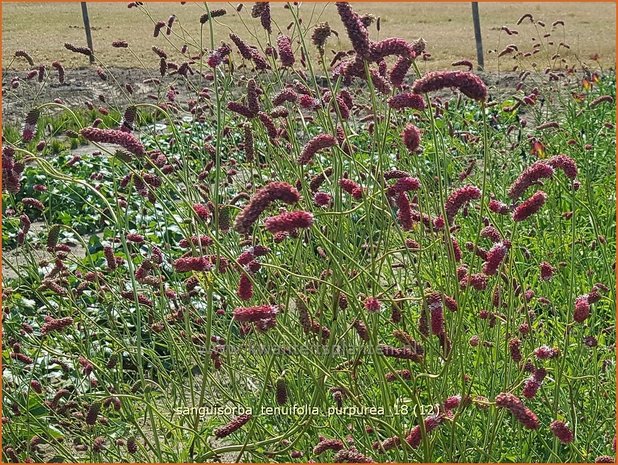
(261, 200)
(289, 222)
(459, 198)
(284, 46)
(25, 55)
(564, 163)
(212, 14)
(83, 50)
(561, 431)
(468, 83)
(411, 138)
(522, 413)
(398, 72)
(495, 257)
(319, 142)
(232, 426)
(113, 136)
(530, 206)
(352, 188)
(406, 100)
(531, 175)
(357, 32)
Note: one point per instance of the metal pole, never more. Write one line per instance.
(477, 35)
(87, 28)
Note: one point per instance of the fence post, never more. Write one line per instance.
(87, 28)
(477, 35)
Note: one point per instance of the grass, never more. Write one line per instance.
(590, 28)
(153, 355)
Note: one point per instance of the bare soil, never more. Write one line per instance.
(83, 85)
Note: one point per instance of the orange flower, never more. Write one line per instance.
(538, 149)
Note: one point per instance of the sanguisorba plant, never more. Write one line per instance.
(306, 260)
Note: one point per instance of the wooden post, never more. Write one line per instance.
(477, 35)
(87, 28)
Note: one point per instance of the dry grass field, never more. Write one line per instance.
(43, 28)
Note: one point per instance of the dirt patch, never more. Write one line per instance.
(80, 85)
(18, 257)
(83, 85)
